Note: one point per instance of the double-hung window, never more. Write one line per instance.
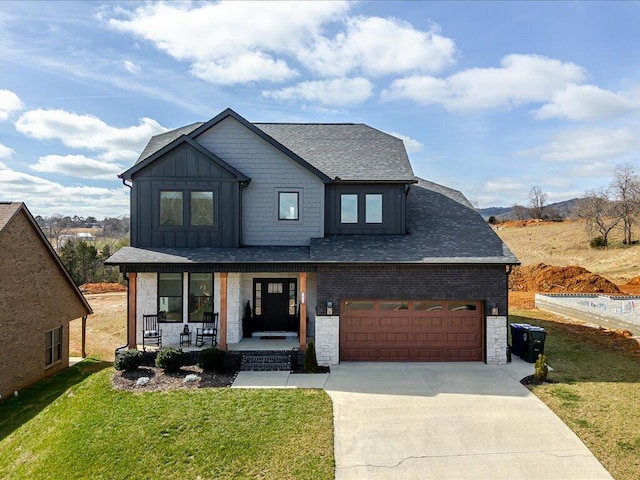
(53, 346)
(170, 296)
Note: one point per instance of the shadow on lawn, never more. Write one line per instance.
(16, 411)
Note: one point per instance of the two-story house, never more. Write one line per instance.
(325, 230)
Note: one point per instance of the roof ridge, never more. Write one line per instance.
(307, 123)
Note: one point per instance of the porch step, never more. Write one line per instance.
(267, 335)
(266, 361)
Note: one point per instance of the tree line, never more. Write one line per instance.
(55, 225)
(603, 209)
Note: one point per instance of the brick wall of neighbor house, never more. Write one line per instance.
(270, 171)
(496, 340)
(436, 282)
(327, 340)
(36, 298)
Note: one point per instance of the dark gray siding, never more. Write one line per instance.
(184, 169)
(393, 209)
(412, 282)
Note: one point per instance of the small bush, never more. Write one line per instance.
(597, 242)
(542, 369)
(492, 220)
(310, 360)
(128, 361)
(170, 359)
(211, 359)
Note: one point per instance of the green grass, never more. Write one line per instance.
(76, 426)
(597, 393)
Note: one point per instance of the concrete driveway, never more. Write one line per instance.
(443, 420)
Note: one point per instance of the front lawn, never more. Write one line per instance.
(93, 431)
(597, 393)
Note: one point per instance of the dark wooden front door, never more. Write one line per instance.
(274, 301)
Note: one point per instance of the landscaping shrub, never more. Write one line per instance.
(170, 359)
(492, 220)
(211, 359)
(310, 360)
(128, 360)
(597, 242)
(542, 369)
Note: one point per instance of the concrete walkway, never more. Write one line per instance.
(441, 421)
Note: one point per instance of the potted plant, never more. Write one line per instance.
(247, 320)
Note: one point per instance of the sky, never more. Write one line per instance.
(490, 98)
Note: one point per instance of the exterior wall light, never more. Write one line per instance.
(329, 308)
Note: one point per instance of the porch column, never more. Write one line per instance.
(132, 310)
(303, 311)
(223, 310)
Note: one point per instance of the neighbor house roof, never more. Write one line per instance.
(335, 152)
(8, 211)
(443, 228)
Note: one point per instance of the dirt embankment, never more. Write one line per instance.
(103, 287)
(550, 279)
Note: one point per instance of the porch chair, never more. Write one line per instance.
(209, 329)
(151, 333)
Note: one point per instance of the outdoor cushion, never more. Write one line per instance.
(207, 331)
(151, 333)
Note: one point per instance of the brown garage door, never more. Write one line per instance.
(430, 330)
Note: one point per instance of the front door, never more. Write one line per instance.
(274, 303)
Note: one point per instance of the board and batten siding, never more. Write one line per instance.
(184, 169)
(270, 171)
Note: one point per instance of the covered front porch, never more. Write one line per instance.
(255, 310)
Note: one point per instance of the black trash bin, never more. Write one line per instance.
(532, 343)
(516, 337)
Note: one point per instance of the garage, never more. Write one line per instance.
(412, 330)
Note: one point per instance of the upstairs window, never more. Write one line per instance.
(373, 204)
(170, 208)
(349, 208)
(288, 206)
(202, 209)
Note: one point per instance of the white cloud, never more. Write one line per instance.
(132, 67)
(338, 91)
(44, 197)
(411, 144)
(587, 143)
(89, 132)
(590, 169)
(586, 102)
(504, 184)
(9, 103)
(230, 42)
(77, 166)
(520, 79)
(6, 152)
(380, 46)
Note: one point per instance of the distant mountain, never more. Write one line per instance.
(562, 209)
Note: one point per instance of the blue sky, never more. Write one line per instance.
(490, 98)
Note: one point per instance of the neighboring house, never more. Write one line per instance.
(37, 301)
(319, 222)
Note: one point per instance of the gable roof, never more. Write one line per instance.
(8, 211)
(333, 152)
(346, 151)
(183, 139)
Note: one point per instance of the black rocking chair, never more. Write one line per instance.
(209, 329)
(151, 333)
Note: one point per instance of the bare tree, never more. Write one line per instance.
(599, 212)
(56, 224)
(537, 202)
(626, 189)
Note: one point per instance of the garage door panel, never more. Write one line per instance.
(408, 334)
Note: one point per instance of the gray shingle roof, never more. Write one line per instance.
(348, 151)
(160, 141)
(443, 228)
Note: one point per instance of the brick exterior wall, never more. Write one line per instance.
(412, 282)
(36, 298)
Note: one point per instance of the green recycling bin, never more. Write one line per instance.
(532, 343)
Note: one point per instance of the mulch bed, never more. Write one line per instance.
(531, 380)
(159, 380)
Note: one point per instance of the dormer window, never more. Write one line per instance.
(202, 209)
(349, 208)
(170, 208)
(373, 208)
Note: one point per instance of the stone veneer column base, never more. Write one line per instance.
(327, 340)
(496, 339)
